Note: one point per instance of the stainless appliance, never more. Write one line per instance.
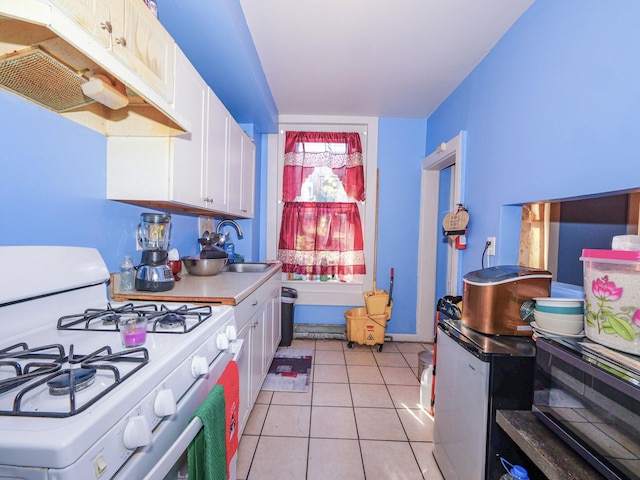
(76, 404)
(493, 297)
(154, 273)
(476, 375)
(589, 396)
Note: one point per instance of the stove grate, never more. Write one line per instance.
(33, 373)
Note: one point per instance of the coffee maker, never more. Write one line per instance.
(154, 273)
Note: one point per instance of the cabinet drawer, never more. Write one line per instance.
(250, 305)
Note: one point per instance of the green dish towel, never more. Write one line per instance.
(207, 453)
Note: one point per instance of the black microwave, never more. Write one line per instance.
(590, 397)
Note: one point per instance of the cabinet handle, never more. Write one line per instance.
(255, 302)
(106, 26)
(121, 41)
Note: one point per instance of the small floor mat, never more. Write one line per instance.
(290, 371)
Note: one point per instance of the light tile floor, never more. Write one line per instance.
(360, 420)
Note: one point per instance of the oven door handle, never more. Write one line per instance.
(171, 457)
(173, 454)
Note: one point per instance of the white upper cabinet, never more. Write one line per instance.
(189, 149)
(248, 178)
(133, 33)
(241, 173)
(68, 41)
(93, 15)
(216, 171)
(209, 170)
(143, 44)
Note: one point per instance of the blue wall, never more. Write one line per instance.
(550, 113)
(400, 154)
(53, 191)
(54, 188)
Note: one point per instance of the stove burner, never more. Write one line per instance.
(79, 378)
(47, 370)
(171, 320)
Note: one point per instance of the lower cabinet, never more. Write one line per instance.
(258, 319)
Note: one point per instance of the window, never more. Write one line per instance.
(334, 196)
(320, 231)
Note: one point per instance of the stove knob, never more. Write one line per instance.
(137, 433)
(222, 342)
(199, 366)
(165, 403)
(231, 332)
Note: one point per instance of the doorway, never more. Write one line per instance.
(448, 157)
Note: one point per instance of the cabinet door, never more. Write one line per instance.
(188, 149)
(272, 327)
(141, 41)
(235, 168)
(92, 15)
(248, 176)
(244, 372)
(216, 155)
(258, 371)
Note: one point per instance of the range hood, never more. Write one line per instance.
(37, 76)
(38, 64)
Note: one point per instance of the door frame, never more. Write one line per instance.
(448, 154)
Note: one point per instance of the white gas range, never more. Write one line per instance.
(75, 403)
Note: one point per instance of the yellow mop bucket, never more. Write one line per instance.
(365, 329)
(377, 301)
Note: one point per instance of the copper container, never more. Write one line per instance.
(492, 298)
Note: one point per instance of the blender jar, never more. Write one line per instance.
(153, 231)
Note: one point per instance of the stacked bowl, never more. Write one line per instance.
(562, 316)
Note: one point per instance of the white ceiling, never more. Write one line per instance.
(387, 58)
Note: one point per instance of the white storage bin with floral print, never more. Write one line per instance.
(612, 298)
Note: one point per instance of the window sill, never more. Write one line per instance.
(327, 293)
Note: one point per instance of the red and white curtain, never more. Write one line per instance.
(322, 237)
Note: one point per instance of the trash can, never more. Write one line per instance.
(289, 296)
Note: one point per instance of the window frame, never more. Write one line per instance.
(313, 292)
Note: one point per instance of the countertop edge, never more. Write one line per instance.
(231, 300)
(551, 455)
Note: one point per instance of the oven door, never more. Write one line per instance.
(591, 404)
(166, 456)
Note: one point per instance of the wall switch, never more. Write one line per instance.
(491, 247)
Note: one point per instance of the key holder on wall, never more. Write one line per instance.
(454, 226)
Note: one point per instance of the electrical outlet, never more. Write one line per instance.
(491, 247)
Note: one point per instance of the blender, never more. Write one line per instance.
(154, 273)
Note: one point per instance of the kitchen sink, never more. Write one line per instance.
(247, 267)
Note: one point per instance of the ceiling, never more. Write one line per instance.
(386, 58)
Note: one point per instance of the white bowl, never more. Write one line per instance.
(559, 302)
(559, 323)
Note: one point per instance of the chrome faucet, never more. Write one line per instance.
(230, 222)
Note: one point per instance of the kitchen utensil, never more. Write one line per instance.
(154, 274)
(204, 267)
(544, 331)
(213, 252)
(559, 323)
(176, 268)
